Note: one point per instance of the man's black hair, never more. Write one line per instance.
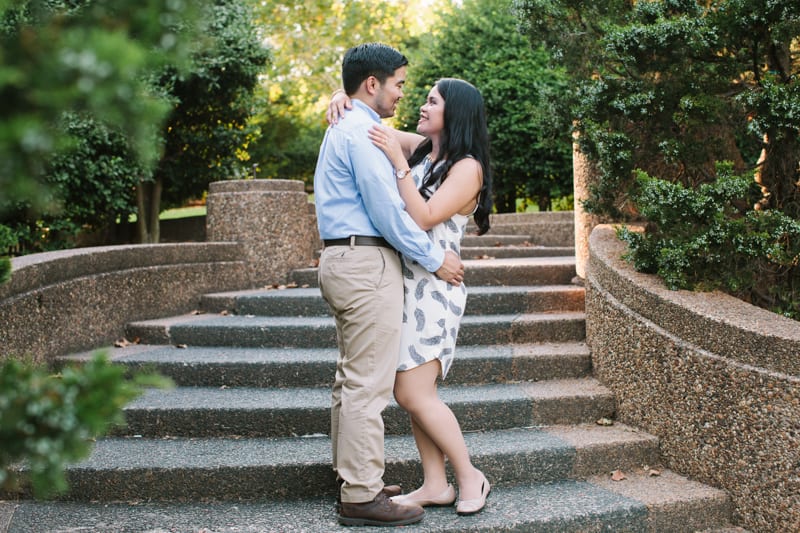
(369, 59)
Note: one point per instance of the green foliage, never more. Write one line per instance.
(7, 240)
(671, 87)
(530, 144)
(82, 56)
(709, 238)
(207, 132)
(310, 39)
(94, 174)
(89, 187)
(49, 420)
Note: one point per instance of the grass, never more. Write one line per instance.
(183, 212)
(178, 212)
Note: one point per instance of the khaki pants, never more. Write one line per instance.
(363, 286)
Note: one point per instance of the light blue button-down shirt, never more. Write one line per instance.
(355, 191)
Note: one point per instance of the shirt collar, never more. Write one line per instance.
(371, 112)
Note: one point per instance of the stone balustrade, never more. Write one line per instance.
(715, 378)
(80, 299)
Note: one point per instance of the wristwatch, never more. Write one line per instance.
(400, 174)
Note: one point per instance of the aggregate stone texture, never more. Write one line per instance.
(272, 220)
(721, 418)
(274, 412)
(550, 507)
(108, 287)
(309, 367)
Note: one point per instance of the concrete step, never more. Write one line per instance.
(497, 219)
(522, 250)
(313, 367)
(248, 469)
(496, 239)
(497, 272)
(307, 301)
(285, 412)
(664, 504)
(536, 232)
(319, 332)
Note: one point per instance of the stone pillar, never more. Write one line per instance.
(584, 175)
(272, 219)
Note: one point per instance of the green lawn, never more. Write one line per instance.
(183, 212)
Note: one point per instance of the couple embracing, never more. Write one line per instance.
(392, 208)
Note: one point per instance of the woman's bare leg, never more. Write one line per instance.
(437, 432)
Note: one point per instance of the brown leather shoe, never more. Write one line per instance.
(379, 512)
(389, 490)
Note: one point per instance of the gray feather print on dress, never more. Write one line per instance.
(456, 310)
(439, 297)
(419, 292)
(415, 356)
(449, 224)
(419, 316)
(432, 341)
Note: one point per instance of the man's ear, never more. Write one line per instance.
(372, 84)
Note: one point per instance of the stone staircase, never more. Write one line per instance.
(241, 443)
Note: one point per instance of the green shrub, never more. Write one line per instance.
(6, 242)
(710, 238)
(48, 420)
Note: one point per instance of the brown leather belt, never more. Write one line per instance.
(358, 240)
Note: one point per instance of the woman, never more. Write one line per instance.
(449, 161)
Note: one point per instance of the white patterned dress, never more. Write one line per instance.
(432, 308)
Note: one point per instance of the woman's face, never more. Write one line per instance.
(431, 114)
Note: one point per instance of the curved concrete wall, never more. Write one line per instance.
(716, 379)
(81, 299)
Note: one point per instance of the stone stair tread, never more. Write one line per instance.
(566, 506)
(145, 354)
(544, 270)
(214, 319)
(223, 398)
(514, 250)
(276, 412)
(307, 301)
(517, 261)
(310, 292)
(216, 366)
(128, 453)
(319, 331)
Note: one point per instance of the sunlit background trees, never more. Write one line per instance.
(115, 111)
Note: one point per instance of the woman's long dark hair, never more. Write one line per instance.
(465, 134)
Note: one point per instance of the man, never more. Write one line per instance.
(363, 226)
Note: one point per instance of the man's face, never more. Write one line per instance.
(388, 94)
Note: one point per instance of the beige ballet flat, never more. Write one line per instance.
(468, 507)
(445, 499)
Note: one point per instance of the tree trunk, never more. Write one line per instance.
(148, 206)
(141, 213)
(778, 173)
(505, 203)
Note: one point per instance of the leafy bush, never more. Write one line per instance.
(6, 242)
(531, 148)
(673, 86)
(47, 420)
(710, 238)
